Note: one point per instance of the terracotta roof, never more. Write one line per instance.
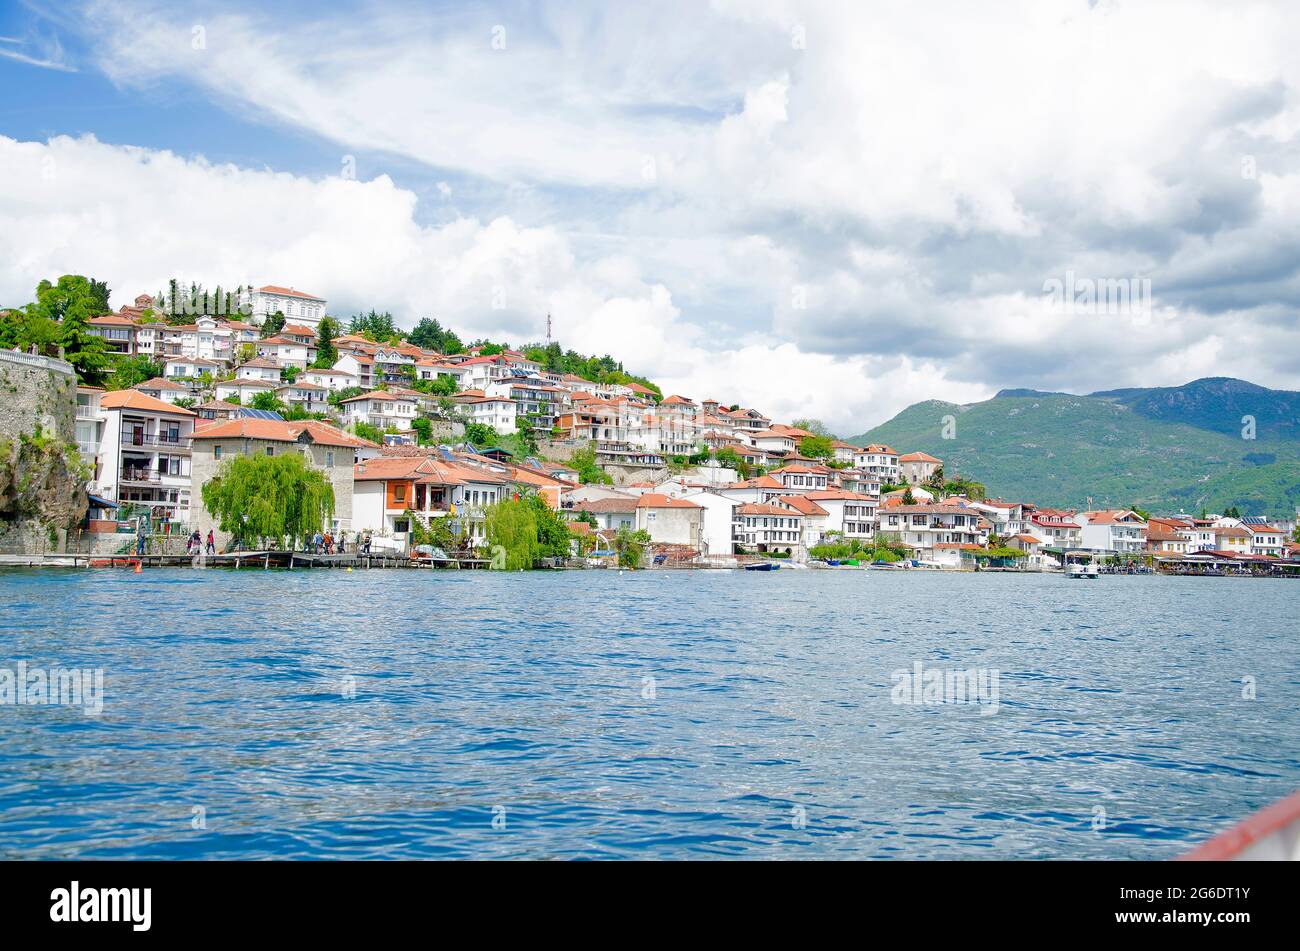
(276, 430)
(606, 506)
(158, 383)
(827, 495)
(134, 399)
(759, 482)
(653, 500)
(762, 508)
(803, 504)
(379, 395)
(260, 363)
(918, 457)
(289, 292)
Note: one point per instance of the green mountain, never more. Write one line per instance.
(1161, 449)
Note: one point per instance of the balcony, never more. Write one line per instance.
(155, 440)
(141, 476)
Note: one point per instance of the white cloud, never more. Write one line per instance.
(852, 200)
(137, 217)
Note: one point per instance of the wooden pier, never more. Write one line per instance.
(239, 560)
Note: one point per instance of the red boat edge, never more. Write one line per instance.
(1271, 834)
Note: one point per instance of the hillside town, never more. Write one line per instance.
(418, 445)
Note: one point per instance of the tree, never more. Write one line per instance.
(481, 435)
(513, 527)
(378, 328)
(272, 324)
(630, 545)
(130, 371)
(366, 431)
(817, 447)
(431, 335)
(423, 429)
(71, 302)
(584, 461)
(266, 400)
(527, 438)
(814, 426)
(326, 353)
(268, 498)
(336, 397)
(908, 497)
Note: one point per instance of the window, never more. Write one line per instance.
(270, 450)
(329, 458)
(216, 452)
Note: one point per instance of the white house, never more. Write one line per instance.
(312, 398)
(499, 412)
(297, 306)
(770, 528)
(380, 409)
(1113, 530)
(242, 391)
(670, 521)
(332, 380)
(145, 453)
(287, 352)
(260, 368)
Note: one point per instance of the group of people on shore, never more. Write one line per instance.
(195, 544)
(327, 544)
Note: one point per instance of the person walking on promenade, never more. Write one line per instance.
(212, 543)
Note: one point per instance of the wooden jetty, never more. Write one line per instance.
(264, 560)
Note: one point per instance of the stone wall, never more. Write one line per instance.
(42, 478)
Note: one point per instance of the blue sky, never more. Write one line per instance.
(823, 209)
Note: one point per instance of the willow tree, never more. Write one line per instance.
(269, 497)
(512, 525)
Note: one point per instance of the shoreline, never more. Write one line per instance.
(295, 561)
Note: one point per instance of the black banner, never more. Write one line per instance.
(333, 900)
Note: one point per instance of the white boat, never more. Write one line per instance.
(1081, 568)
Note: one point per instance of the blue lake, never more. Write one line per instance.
(666, 714)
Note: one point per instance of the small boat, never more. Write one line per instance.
(1082, 569)
(762, 566)
(1272, 834)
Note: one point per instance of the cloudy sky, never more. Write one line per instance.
(820, 209)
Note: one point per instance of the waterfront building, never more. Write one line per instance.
(1121, 531)
(769, 529)
(144, 454)
(322, 446)
(670, 521)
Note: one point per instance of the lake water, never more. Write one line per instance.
(659, 714)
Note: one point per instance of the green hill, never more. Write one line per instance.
(1161, 449)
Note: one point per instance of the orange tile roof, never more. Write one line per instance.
(762, 508)
(803, 504)
(653, 500)
(277, 430)
(134, 399)
(289, 292)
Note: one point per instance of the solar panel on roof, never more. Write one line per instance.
(249, 413)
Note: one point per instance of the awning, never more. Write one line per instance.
(98, 502)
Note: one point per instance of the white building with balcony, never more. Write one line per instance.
(380, 409)
(144, 456)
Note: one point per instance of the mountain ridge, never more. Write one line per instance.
(1210, 443)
